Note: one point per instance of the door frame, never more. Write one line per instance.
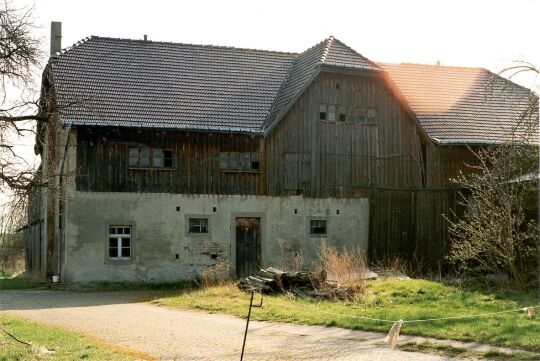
(232, 225)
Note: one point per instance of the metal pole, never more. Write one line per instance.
(247, 322)
(247, 325)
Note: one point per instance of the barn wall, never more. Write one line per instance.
(159, 229)
(102, 162)
(320, 158)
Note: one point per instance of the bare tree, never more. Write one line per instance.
(20, 108)
(499, 231)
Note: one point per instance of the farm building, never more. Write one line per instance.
(167, 158)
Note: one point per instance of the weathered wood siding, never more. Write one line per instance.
(412, 225)
(102, 162)
(446, 162)
(320, 158)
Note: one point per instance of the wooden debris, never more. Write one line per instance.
(301, 284)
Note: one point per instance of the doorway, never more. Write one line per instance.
(248, 246)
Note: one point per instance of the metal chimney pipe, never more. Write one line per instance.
(56, 37)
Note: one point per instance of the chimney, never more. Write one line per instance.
(56, 37)
(145, 37)
(438, 63)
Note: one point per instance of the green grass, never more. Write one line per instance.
(450, 351)
(66, 345)
(390, 300)
(7, 282)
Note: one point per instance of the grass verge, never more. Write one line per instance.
(463, 353)
(54, 344)
(390, 300)
(8, 282)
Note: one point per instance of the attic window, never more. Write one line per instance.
(342, 113)
(235, 161)
(371, 116)
(332, 113)
(361, 115)
(150, 158)
(322, 112)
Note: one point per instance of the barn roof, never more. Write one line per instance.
(462, 105)
(139, 83)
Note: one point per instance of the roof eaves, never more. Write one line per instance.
(181, 127)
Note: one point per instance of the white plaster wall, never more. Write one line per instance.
(160, 232)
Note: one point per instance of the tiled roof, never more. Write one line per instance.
(137, 83)
(123, 82)
(462, 105)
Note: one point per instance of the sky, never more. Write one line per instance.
(490, 34)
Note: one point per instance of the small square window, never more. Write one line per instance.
(233, 161)
(167, 158)
(144, 157)
(255, 161)
(133, 157)
(157, 158)
(332, 113)
(245, 161)
(198, 225)
(322, 112)
(361, 115)
(317, 226)
(371, 118)
(342, 113)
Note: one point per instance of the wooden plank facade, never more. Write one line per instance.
(340, 158)
(103, 166)
(388, 160)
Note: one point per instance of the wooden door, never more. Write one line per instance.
(248, 246)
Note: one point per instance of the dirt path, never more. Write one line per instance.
(123, 319)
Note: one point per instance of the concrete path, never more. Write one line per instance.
(124, 319)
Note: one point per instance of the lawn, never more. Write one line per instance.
(51, 343)
(8, 282)
(390, 300)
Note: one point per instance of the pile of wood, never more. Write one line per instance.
(302, 284)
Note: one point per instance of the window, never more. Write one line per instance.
(198, 225)
(317, 226)
(361, 115)
(144, 157)
(332, 113)
(371, 116)
(234, 161)
(120, 242)
(342, 113)
(322, 111)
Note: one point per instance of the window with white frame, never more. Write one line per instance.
(198, 225)
(120, 243)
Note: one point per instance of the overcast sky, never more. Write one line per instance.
(490, 34)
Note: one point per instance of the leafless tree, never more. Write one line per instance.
(499, 232)
(20, 108)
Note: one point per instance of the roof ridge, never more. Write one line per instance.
(435, 65)
(327, 47)
(195, 45)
